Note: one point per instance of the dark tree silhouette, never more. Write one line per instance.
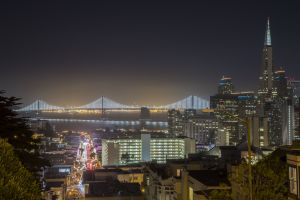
(15, 181)
(16, 131)
(269, 175)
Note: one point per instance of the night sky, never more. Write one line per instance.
(146, 52)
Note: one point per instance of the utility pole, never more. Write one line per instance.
(249, 158)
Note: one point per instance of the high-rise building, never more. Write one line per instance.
(297, 121)
(231, 110)
(288, 122)
(145, 113)
(203, 127)
(280, 84)
(145, 147)
(273, 111)
(274, 97)
(188, 113)
(144, 116)
(225, 86)
(199, 125)
(266, 76)
(175, 125)
(259, 131)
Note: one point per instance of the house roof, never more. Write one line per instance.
(113, 188)
(210, 177)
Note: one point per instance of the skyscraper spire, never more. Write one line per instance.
(268, 34)
(266, 76)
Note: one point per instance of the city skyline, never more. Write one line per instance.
(150, 100)
(169, 52)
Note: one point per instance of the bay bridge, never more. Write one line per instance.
(104, 103)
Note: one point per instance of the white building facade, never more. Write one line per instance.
(145, 148)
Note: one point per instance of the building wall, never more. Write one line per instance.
(287, 122)
(126, 151)
(293, 161)
(146, 138)
(223, 137)
(259, 131)
(119, 198)
(131, 178)
(297, 123)
(175, 122)
(201, 128)
(229, 109)
(110, 153)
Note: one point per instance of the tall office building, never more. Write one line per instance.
(144, 116)
(280, 84)
(231, 110)
(203, 127)
(175, 125)
(145, 113)
(225, 86)
(297, 121)
(274, 99)
(288, 122)
(266, 76)
(273, 111)
(259, 131)
(188, 113)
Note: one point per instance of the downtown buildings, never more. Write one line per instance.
(269, 113)
(124, 149)
(200, 125)
(276, 97)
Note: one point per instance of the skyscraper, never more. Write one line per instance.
(280, 83)
(266, 76)
(272, 93)
(297, 121)
(230, 110)
(288, 121)
(225, 86)
(175, 122)
(259, 131)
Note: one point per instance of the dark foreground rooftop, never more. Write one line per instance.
(113, 188)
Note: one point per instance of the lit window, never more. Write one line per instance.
(178, 172)
(293, 180)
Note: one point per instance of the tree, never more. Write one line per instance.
(16, 182)
(269, 178)
(15, 129)
(221, 194)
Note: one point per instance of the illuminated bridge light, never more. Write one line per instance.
(104, 103)
(190, 102)
(39, 105)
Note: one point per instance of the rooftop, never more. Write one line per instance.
(138, 135)
(113, 188)
(210, 177)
